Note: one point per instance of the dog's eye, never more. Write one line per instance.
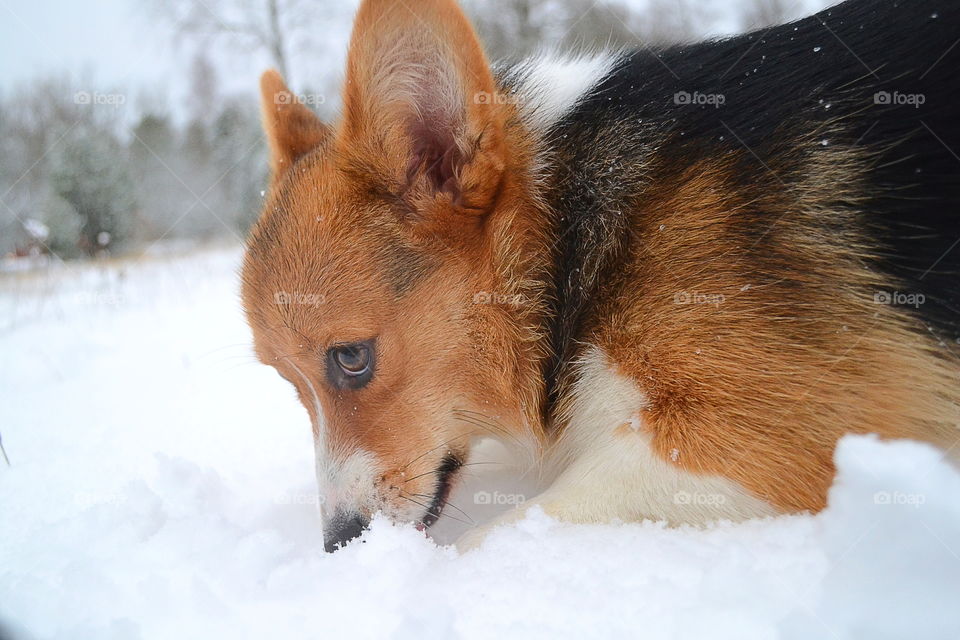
(353, 359)
(350, 366)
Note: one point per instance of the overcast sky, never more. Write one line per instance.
(114, 40)
(120, 44)
(110, 44)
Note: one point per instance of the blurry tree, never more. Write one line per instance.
(512, 29)
(515, 28)
(269, 25)
(759, 14)
(204, 89)
(239, 156)
(153, 137)
(667, 22)
(155, 160)
(196, 141)
(8, 218)
(90, 172)
(203, 105)
(63, 227)
(37, 119)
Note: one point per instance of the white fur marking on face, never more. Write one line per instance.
(548, 87)
(609, 471)
(319, 435)
(345, 480)
(349, 483)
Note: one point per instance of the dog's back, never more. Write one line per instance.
(686, 274)
(762, 231)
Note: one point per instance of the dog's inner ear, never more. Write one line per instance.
(418, 98)
(434, 147)
(292, 129)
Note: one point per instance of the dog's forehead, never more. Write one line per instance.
(322, 252)
(303, 302)
(319, 261)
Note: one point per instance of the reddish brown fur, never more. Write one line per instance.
(394, 260)
(757, 386)
(292, 129)
(735, 387)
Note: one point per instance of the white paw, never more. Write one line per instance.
(472, 539)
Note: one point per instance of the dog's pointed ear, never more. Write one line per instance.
(292, 129)
(421, 98)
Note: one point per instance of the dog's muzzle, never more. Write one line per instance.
(342, 528)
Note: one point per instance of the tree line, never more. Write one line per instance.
(87, 171)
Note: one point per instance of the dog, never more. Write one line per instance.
(677, 276)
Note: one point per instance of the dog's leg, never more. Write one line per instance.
(621, 479)
(609, 470)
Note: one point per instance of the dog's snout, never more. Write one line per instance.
(342, 529)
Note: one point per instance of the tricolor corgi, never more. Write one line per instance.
(683, 274)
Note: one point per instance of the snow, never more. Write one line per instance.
(161, 487)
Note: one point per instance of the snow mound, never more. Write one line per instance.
(156, 493)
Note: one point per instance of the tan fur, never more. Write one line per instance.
(343, 219)
(403, 57)
(754, 389)
(292, 129)
(758, 377)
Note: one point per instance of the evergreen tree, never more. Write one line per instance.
(91, 173)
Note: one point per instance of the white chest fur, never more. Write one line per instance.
(607, 469)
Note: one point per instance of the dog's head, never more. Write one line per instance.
(366, 277)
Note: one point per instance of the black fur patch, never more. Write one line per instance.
(879, 75)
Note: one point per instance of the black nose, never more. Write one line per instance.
(342, 529)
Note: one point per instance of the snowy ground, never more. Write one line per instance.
(161, 487)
